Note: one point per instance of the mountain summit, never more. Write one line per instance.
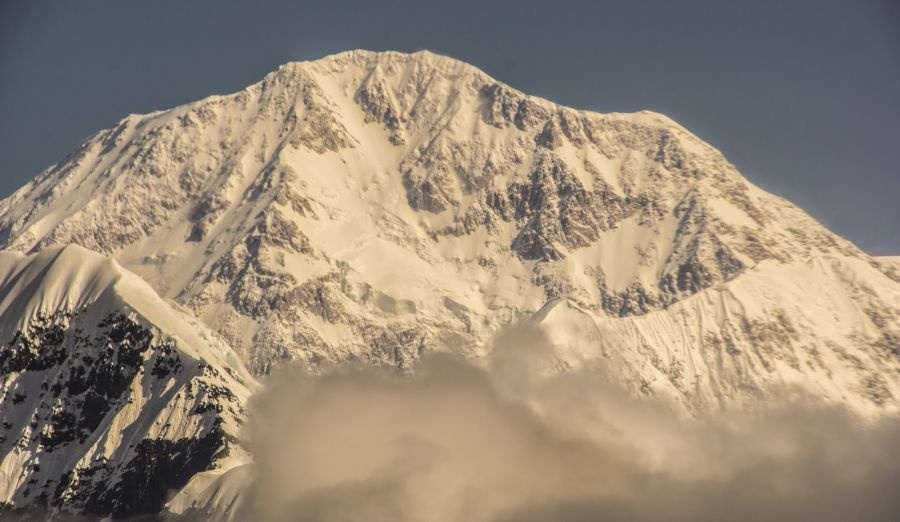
(375, 206)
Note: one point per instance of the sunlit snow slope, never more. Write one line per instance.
(110, 399)
(376, 206)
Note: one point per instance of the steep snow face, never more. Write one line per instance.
(109, 398)
(376, 205)
(829, 327)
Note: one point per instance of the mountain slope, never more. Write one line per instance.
(109, 398)
(828, 326)
(377, 205)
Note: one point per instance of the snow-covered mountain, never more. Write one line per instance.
(110, 399)
(375, 206)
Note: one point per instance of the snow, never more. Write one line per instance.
(298, 220)
(92, 288)
(214, 493)
(820, 300)
(178, 197)
(58, 278)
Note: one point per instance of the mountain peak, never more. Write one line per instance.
(374, 207)
(379, 205)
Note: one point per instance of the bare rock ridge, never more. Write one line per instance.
(109, 399)
(374, 206)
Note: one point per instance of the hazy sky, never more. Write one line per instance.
(803, 96)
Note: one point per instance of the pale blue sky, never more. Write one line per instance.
(803, 96)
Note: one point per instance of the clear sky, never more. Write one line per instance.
(803, 96)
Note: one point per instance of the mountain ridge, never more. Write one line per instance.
(109, 397)
(376, 206)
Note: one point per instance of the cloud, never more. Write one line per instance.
(511, 438)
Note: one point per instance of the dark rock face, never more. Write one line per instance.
(431, 192)
(375, 99)
(158, 466)
(507, 106)
(635, 300)
(317, 129)
(557, 210)
(65, 379)
(37, 348)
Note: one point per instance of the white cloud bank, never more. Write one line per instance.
(513, 440)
